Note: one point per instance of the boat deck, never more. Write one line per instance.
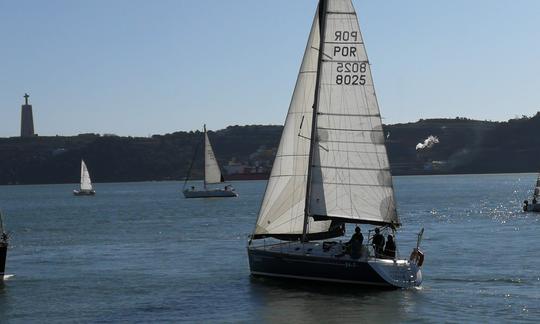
(326, 250)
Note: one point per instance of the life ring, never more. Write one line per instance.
(417, 257)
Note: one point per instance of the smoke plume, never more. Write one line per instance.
(428, 143)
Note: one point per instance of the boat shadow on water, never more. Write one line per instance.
(318, 287)
(300, 301)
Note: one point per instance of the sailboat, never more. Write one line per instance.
(331, 169)
(86, 188)
(3, 248)
(534, 205)
(212, 175)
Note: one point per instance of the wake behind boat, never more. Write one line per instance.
(332, 169)
(534, 205)
(212, 175)
(86, 188)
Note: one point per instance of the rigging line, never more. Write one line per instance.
(330, 57)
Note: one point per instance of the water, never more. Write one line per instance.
(139, 252)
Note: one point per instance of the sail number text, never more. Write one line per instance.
(351, 73)
(348, 73)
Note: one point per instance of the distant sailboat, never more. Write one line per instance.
(86, 188)
(534, 205)
(331, 169)
(212, 175)
(3, 247)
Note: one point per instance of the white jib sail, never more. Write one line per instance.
(351, 174)
(282, 209)
(86, 183)
(212, 174)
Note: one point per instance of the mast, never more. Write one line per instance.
(322, 32)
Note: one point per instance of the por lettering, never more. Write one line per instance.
(345, 50)
(345, 36)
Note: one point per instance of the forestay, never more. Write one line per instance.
(86, 183)
(351, 177)
(212, 174)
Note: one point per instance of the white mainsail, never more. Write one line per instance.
(212, 174)
(86, 183)
(350, 177)
(350, 172)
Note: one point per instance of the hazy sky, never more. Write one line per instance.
(151, 67)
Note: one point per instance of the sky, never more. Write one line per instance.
(137, 67)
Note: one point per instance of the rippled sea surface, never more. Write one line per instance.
(140, 252)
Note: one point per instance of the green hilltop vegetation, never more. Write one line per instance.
(465, 146)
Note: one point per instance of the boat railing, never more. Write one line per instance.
(368, 250)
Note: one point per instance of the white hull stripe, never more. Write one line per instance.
(321, 279)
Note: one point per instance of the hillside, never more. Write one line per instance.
(465, 146)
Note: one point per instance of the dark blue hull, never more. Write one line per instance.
(217, 193)
(267, 263)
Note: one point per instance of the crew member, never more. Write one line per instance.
(378, 243)
(390, 248)
(355, 243)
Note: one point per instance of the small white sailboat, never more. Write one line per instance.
(212, 175)
(331, 169)
(4, 237)
(534, 205)
(86, 188)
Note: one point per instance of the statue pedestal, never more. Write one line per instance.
(27, 121)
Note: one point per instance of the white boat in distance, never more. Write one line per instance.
(86, 188)
(212, 175)
(331, 169)
(534, 205)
